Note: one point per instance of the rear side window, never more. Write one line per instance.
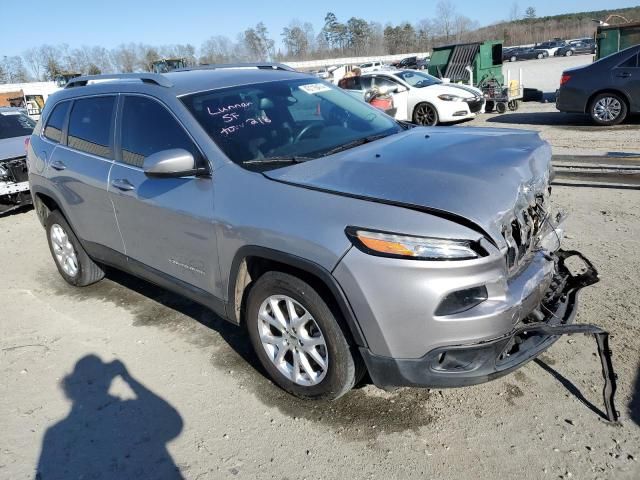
(630, 62)
(55, 124)
(90, 125)
(147, 128)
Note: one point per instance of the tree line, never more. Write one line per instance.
(298, 41)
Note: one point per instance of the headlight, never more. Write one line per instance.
(450, 98)
(394, 245)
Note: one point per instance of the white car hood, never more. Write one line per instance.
(463, 91)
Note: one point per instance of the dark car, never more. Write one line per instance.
(577, 48)
(526, 53)
(608, 89)
(422, 63)
(409, 62)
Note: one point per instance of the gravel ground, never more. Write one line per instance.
(195, 402)
(567, 133)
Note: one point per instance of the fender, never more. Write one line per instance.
(299, 263)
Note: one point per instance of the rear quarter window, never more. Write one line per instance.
(55, 123)
(90, 125)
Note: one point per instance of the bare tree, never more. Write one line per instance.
(125, 58)
(257, 42)
(514, 12)
(444, 21)
(32, 60)
(218, 49)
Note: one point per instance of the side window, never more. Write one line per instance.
(630, 62)
(147, 128)
(385, 82)
(55, 124)
(90, 125)
(365, 83)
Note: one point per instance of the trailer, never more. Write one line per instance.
(478, 64)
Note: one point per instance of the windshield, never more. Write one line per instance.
(417, 79)
(15, 124)
(289, 119)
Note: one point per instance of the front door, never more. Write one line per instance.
(166, 223)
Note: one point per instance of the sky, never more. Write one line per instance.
(109, 23)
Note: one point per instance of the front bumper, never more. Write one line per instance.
(471, 363)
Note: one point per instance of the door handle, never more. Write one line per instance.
(623, 75)
(123, 184)
(58, 165)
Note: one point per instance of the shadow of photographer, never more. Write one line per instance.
(105, 436)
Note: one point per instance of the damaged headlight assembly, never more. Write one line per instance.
(394, 245)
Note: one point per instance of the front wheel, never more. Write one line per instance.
(569, 53)
(513, 58)
(298, 340)
(540, 56)
(608, 109)
(425, 114)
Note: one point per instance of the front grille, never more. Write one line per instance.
(521, 233)
(475, 105)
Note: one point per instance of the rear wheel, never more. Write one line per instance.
(74, 265)
(540, 56)
(425, 114)
(501, 107)
(608, 109)
(513, 58)
(298, 340)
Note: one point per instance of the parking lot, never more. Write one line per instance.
(195, 397)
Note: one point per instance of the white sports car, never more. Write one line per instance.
(419, 97)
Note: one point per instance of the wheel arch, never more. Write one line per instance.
(45, 203)
(251, 262)
(620, 93)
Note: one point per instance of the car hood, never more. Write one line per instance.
(12, 147)
(481, 176)
(463, 91)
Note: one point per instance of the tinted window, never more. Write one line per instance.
(259, 125)
(355, 83)
(55, 124)
(90, 125)
(630, 62)
(15, 124)
(147, 127)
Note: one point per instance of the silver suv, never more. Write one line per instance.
(347, 243)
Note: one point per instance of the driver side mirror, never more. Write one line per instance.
(172, 163)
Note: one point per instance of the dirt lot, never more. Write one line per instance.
(194, 398)
(566, 132)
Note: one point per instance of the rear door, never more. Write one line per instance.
(166, 223)
(400, 99)
(80, 134)
(626, 77)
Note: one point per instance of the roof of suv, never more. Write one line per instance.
(182, 82)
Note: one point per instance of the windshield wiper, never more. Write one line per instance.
(279, 159)
(356, 143)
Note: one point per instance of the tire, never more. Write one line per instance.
(342, 367)
(501, 107)
(540, 56)
(569, 53)
(425, 114)
(608, 109)
(513, 105)
(73, 263)
(513, 58)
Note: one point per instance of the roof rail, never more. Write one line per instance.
(259, 65)
(153, 78)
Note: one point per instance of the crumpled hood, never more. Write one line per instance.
(12, 147)
(486, 175)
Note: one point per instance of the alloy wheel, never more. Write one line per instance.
(293, 340)
(607, 109)
(426, 115)
(63, 250)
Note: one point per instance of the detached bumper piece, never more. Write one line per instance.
(463, 365)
